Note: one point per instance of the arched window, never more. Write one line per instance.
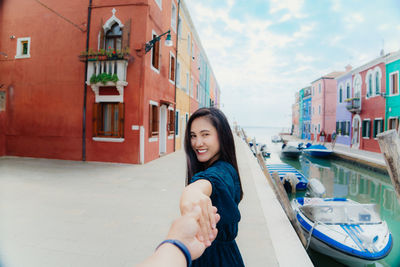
(348, 92)
(114, 38)
(340, 94)
(377, 83)
(369, 85)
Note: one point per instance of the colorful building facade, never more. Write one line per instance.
(368, 104)
(306, 113)
(392, 92)
(116, 102)
(343, 116)
(323, 117)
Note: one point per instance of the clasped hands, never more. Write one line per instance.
(206, 216)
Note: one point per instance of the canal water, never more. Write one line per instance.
(343, 179)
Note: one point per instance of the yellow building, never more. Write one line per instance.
(183, 75)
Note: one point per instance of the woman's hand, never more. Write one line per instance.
(186, 229)
(198, 194)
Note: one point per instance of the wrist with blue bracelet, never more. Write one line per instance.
(182, 248)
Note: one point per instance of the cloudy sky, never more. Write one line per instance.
(263, 51)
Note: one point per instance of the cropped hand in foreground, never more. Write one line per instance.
(185, 229)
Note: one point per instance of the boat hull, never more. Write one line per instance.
(342, 241)
(318, 153)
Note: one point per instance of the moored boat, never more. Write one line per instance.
(284, 169)
(346, 230)
(319, 151)
(291, 150)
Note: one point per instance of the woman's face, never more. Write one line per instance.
(204, 140)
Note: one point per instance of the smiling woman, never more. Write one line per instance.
(213, 180)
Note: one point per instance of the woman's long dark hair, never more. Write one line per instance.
(226, 143)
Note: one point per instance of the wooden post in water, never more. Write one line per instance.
(255, 145)
(279, 190)
(245, 136)
(389, 143)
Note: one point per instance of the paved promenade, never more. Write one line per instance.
(67, 213)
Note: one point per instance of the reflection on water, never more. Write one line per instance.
(343, 179)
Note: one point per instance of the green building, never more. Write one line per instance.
(392, 113)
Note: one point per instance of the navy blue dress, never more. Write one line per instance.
(226, 197)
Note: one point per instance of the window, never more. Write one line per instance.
(114, 38)
(187, 83)
(171, 122)
(179, 26)
(2, 100)
(394, 83)
(178, 73)
(357, 86)
(188, 44)
(348, 92)
(313, 110)
(313, 91)
(177, 123)
(319, 109)
(159, 3)
(191, 86)
(319, 88)
(319, 128)
(173, 17)
(155, 55)
(366, 128)
(340, 94)
(108, 120)
(153, 120)
(393, 124)
(378, 127)
(369, 85)
(171, 67)
(377, 83)
(23, 47)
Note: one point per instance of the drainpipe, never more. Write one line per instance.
(324, 115)
(85, 85)
(176, 64)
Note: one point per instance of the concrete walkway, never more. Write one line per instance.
(66, 213)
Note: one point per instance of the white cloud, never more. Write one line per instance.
(293, 7)
(336, 5)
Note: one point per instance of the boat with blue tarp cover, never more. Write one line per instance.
(348, 231)
(319, 151)
(284, 169)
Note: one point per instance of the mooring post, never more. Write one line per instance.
(245, 137)
(389, 143)
(280, 193)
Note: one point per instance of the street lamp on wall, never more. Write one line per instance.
(168, 41)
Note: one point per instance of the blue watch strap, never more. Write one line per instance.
(182, 247)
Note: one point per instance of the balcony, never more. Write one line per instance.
(107, 73)
(353, 104)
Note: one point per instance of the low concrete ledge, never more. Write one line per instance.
(277, 242)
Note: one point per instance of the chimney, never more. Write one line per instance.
(348, 68)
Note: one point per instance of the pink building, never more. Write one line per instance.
(323, 105)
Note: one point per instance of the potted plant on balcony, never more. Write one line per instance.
(104, 78)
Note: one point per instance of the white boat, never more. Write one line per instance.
(349, 232)
(276, 139)
(291, 149)
(316, 188)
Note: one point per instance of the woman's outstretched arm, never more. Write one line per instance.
(198, 194)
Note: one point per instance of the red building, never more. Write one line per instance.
(122, 110)
(368, 104)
